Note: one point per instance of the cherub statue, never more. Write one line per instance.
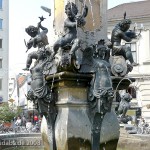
(120, 32)
(73, 21)
(38, 39)
(124, 107)
(124, 104)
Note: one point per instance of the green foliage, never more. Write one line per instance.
(7, 113)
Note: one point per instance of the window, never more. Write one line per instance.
(10, 90)
(133, 49)
(0, 63)
(1, 4)
(1, 23)
(0, 43)
(132, 92)
(0, 84)
(10, 84)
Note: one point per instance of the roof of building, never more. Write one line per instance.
(133, 9)
(21, 80)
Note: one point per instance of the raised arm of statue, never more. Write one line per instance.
(44, 29)
(85, 11)
(69, 24)
(124, 37)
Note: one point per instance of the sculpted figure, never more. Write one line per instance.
(38, 39)
(73, 21)
(39, 87)
(120, 32)
(123, 108)
(42, 94)
(124, 104)
(101, 91)
(96, 61)
(101, 87)
(102, 53)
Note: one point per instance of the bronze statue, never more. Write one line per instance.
(41, 94)
(73, 21)
(120, 32)
(53, 92)
(39, 88)
(96, 60)
(101, 91)
(38, 39)
(124, 104)
(124, 107)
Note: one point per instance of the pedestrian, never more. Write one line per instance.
(36, 119)
(29, 125)
(18, 121)
(23, 120)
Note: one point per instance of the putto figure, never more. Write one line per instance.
(124, 107)
(73, 21)
(38, 39)
(120, 32)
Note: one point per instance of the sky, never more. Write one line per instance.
(113, 3)
(23, 13)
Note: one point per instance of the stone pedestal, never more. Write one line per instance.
(73, 126)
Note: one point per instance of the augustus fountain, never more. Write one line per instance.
(74, 83)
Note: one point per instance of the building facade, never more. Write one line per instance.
(12, 86)
(139, 13)
(18, 87)
(4, 49)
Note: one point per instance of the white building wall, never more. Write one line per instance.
(142, 72)
(12, 84)
(4, 51)
(19, 95)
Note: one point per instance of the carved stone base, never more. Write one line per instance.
(72, 125)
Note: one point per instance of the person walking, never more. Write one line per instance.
(23, 121)
(36, 119)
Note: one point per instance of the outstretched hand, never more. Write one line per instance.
(131, 34)
(80, 21)
(42, 18)
(81, 1)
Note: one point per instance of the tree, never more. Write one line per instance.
(7, 113)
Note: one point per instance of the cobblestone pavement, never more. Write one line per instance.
(126, 141)
(133, 141)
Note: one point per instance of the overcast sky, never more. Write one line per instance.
(113, 3)
(24, 13)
